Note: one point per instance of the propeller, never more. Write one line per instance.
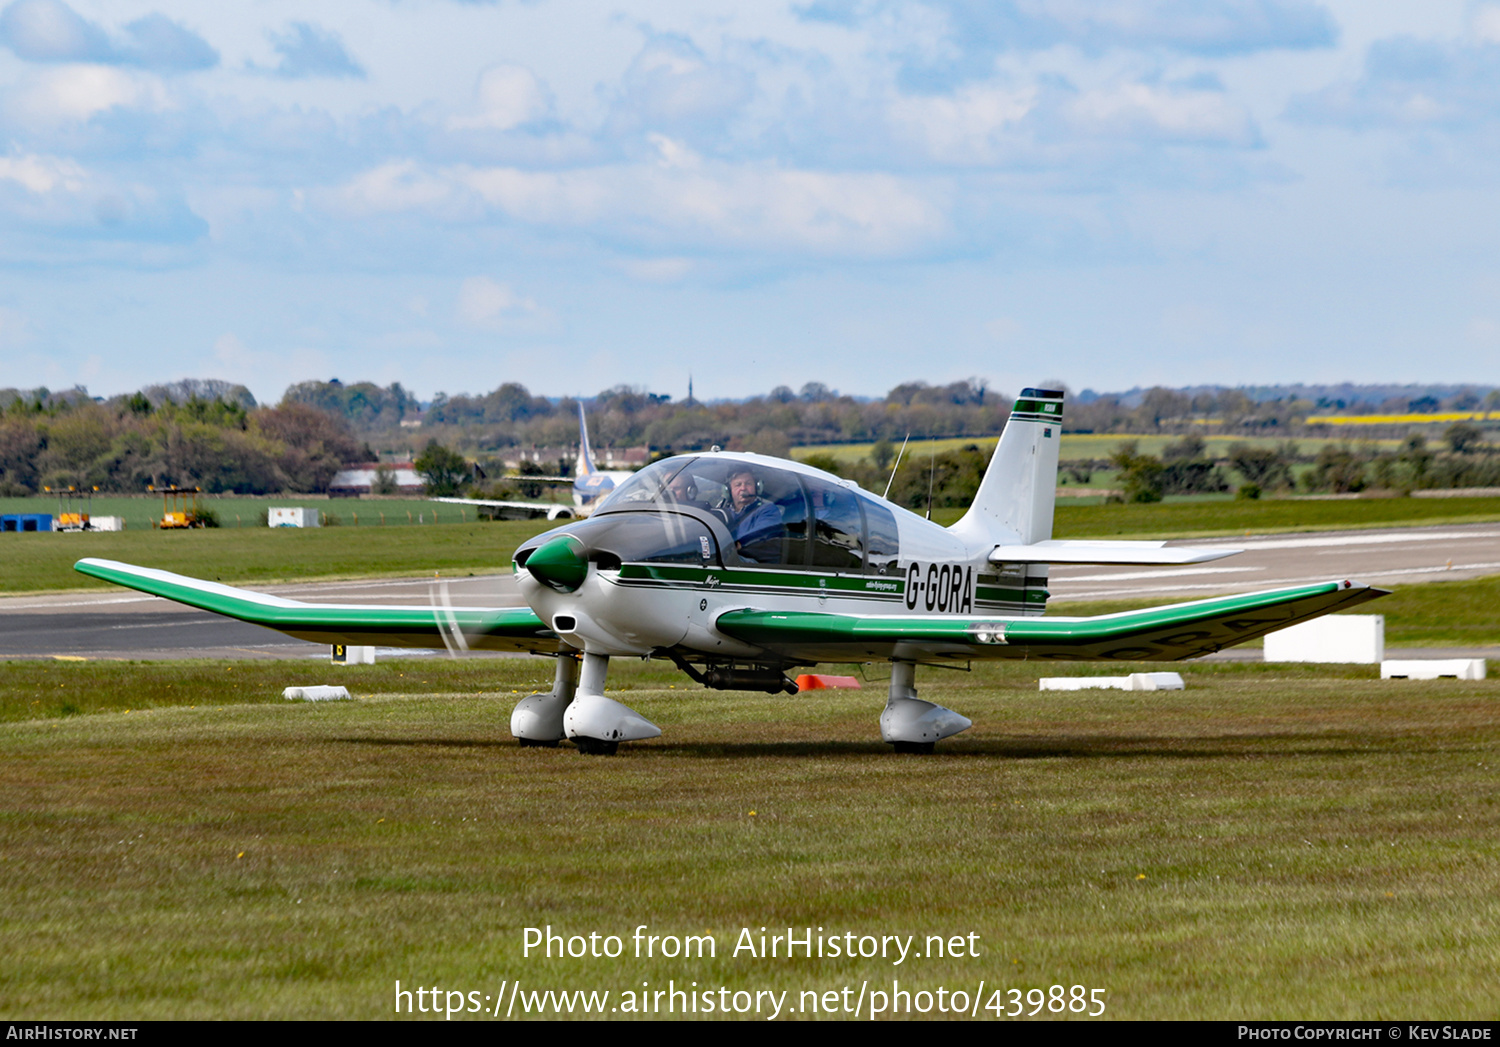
(442, 606)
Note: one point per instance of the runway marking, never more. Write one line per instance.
(1171, 573)
(1256, 544)
(1360, 576)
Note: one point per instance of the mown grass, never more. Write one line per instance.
(41, 562)
(1270, 843)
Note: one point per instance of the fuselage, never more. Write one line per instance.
(669, 551)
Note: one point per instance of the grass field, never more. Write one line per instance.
(1082, 445)
(140, 511)
(1270, 843)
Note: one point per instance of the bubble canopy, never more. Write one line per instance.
(792, 518)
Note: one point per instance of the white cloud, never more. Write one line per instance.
(964, 127)
(508, 96)
(1136, 109)
(494, 306)
(1484, 24)
(51, 31)
(712, 205)
(42, 174)
(400, 185)
(77, 92)
(673, 86)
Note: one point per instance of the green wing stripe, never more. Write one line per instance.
(504, 629)
(1154, 634)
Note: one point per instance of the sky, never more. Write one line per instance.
(576, 195)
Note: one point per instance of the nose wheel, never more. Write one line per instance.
(911, 725)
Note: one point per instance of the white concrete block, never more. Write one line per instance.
(1133, 682)
(347, 654)
(1333, 638)
(1157, 682)
(1083, 683)
(315, 694)
(1432, 668)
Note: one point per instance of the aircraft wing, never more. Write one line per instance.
(1102, 552)
(1167, 633)
(501, 629)
(525, 510)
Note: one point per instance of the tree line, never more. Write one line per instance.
(213, 435)
(128, 443)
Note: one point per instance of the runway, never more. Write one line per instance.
(1395, 556)
(124, 624)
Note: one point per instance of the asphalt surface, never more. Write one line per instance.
(124, 624)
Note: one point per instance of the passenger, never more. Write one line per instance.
(683, 490)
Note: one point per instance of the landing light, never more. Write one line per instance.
(988, 632)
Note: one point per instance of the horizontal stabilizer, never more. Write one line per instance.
(500, 629)
(1090, 552)
(1167, 633)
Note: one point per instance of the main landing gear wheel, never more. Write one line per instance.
(539, 743)
(596, 746)
(918, 748)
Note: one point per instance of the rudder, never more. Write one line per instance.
(1015, 499)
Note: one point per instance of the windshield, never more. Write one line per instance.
(774, 516)
(652, 486)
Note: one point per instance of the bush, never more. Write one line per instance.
(1141, 475)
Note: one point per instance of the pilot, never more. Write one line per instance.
(750, 517)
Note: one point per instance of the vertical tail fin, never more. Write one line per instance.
(585, 455)
(1015, 498)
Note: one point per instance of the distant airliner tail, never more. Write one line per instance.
(1014, 503)
(585, 455)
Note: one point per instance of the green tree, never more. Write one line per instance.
(443, 470)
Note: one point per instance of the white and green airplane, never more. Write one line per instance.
(739, 568)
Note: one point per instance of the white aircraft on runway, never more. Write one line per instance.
(738, 568)
(590, 486)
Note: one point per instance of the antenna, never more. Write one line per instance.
(887, 495)
(932, 450)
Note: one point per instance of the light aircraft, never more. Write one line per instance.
(590, 486)
(739, 567)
